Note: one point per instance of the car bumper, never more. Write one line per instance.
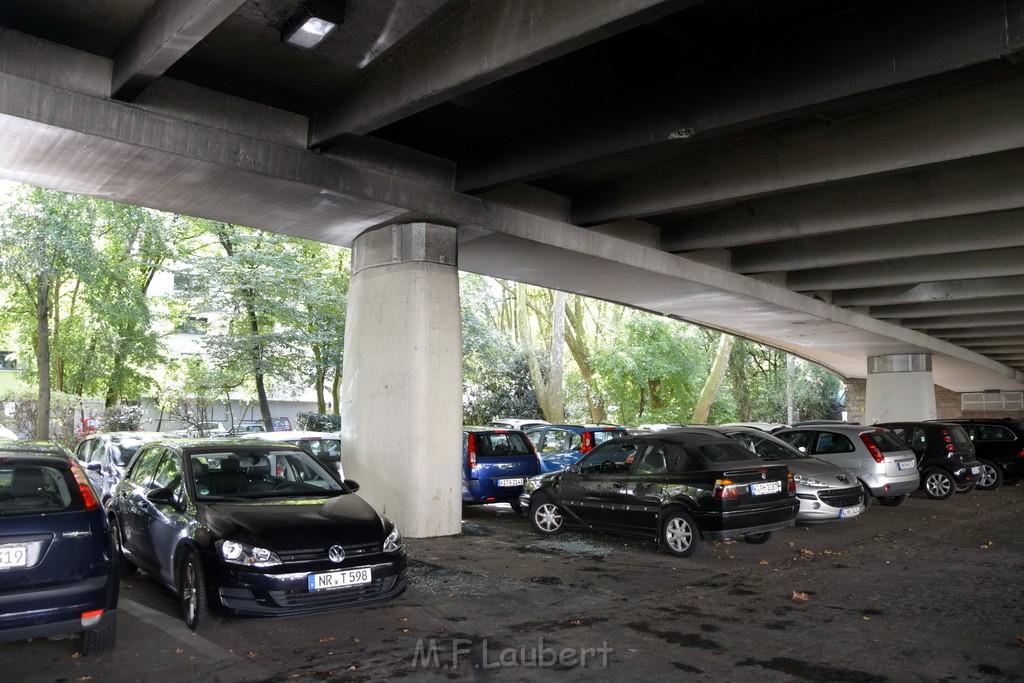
(55, 610)
(473, 492)
(824, 505)
(717, 525)
(894, 486)
(242, 592)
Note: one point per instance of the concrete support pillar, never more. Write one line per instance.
(899, 387)
(401, 405)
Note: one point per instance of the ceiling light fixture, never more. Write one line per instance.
(312, 24)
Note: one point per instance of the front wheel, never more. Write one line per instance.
(991, 476)
(892, 501)
(546, 517)
(966, 488)
(758, 539)
(195, 602)
(126, 567)
(938, 484)
(680, 535)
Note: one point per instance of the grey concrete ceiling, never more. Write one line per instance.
(835, 177)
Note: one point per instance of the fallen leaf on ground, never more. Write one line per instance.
(800, 597)
(327, 639)
(178, 650)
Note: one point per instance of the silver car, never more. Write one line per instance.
(826, 491)
(886, 468)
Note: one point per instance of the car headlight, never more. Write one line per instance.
(807, 480)
(394, 542)
(247, 555)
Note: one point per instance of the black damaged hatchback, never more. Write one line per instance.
(251, 528)
(679, 488)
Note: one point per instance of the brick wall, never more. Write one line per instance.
(947, 404)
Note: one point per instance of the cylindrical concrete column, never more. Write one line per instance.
(401, 404)
(899, 387)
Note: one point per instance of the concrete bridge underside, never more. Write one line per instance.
(838, 178)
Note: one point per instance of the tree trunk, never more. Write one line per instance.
(549, 388)
(576, 340)
(42, 431)
(790, 384)
(714, 382)
(336, 391)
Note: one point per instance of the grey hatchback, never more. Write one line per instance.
(885, 467)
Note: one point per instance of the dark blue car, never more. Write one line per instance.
(58, 571)
(495, 465)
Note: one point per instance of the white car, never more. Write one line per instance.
(6, 433)
(324, 445)
(516, 423)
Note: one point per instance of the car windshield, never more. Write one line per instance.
(125, 449)
(769, 448)
(31, 489)
(723, 452)
(260, 474)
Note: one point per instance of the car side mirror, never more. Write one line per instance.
(575, 468)
(166, 496)
(352, 484)
(802, 449)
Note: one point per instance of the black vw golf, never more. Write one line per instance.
(252, 528)
(681, 488)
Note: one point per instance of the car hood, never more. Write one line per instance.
(826, 471)
(296, 523)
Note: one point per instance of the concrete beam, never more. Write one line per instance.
(877, 271)
(997, 331)
(479, 43)
(936, 326)
(956, 124)
(932, 308)
(806, 70)
(959, 188)
(170, 29)
(956, 234)
(956, 290)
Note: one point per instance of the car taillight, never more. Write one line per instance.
(948, 440)
(471, 451)
(872, 448)
(83, 486)
(588, 442)
(91, 617)
(792, 483)
(727, 488)
(1021, 454)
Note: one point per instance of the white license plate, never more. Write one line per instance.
(511, 482)
(13, 556)
(339, 579)
(975, 470)
(905, 464)
(766, 487)
(849, 512)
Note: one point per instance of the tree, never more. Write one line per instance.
(46, 251)
(714, 381)
(540, 321)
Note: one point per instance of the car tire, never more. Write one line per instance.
(867, 495)
(195, 601)
(758, 539)
(938, 484)
(892, 501)
(546, 516)
(100, 641)
(516, 506)
(991, 476)
(966, 488)
(126, 567)
(680, 535)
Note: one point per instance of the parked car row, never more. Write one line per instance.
(251, 527)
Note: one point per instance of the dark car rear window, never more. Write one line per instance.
(498, 444)
(602, 436)
(724, 452)
(886, 441)
(30, 488)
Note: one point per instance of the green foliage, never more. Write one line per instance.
(317, 422)
(123, 418)
(63, 408)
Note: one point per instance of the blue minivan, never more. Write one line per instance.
(58, 570)
(495, 465)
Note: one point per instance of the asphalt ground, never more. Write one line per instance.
(928, 591)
